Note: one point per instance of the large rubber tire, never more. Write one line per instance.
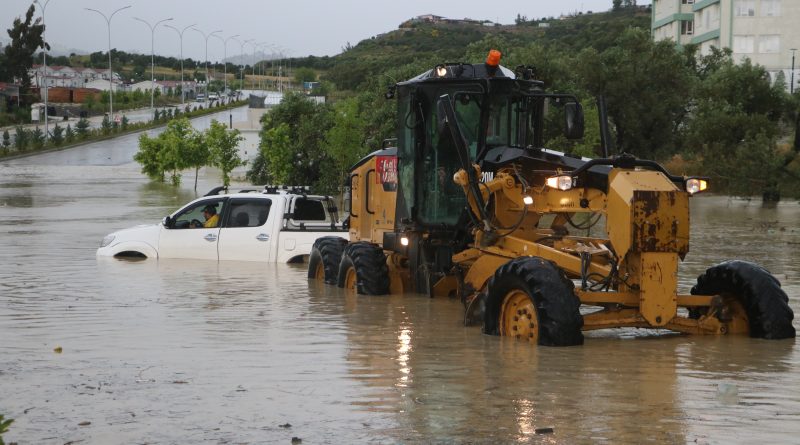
(765, 303)
(326, 254)
(368, 263)
(552, 296)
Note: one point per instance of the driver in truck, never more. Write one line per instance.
(211, 216)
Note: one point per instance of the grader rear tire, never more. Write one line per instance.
(363, 269)
(759, 293)
(532, 299)
(326, 254)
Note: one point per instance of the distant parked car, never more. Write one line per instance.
(200, 97)
(252, 225)
(213, 96)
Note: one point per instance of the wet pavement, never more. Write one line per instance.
(103, 351)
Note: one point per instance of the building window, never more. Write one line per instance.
(687, 27)
(770, 8)
(769, 44)
(687, 2)
(743, 44)
(744, 8)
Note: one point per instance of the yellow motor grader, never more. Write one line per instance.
(538, 244)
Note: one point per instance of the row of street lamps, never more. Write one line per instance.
(43, 5)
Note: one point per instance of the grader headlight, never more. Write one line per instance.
(696, 185)
(560, 182)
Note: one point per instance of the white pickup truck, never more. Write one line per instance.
(254, 224)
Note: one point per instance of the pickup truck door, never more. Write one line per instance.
(247, 232)
(183, 239)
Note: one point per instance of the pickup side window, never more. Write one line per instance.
(310, 214)
(248, 212)
(193, 217)
(309, 210)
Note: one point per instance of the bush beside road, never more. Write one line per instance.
(93, 129)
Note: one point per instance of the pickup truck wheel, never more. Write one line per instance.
(363, 268)
(326, 254)
(532, 299)
(751, 289)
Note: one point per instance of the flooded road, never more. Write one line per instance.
(175, 352)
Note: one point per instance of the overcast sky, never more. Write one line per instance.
(318, 27)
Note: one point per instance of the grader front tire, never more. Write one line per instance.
(532, 299)
(326, 254)
(363, 269)
(758, 293)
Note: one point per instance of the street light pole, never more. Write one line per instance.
(206, 36)
(180, 35)
(110, 72)
(791, 86)
(261, 47)
(225, 57)
(152, 55)
(44, 56)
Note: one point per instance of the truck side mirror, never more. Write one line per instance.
(573, 116)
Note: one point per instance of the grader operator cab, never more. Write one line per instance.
(539, 245)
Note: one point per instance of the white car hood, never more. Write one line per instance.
(147, 234)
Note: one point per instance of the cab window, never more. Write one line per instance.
(194, 217)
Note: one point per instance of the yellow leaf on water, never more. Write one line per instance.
(58, 350)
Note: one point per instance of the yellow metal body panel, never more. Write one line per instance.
(628, 206)
(658, 287)
(374, 195)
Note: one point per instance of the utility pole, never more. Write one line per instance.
(110, 72)
(206, 36)
(224, 58)
(791, 85)
(44, 56)
(152, 55)
(180, 35)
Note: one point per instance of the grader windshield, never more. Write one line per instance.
(486, 120)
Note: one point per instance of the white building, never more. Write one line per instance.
(68, 77)
(764, 31)
(103, 85)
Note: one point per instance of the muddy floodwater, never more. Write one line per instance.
(104, 351)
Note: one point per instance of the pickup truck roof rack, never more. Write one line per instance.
(270, 189)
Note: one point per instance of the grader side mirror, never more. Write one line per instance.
(573, 116)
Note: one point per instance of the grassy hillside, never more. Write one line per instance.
(449, 42)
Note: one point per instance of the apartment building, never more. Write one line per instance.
(764, 31)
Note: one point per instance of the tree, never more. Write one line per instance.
(292, 136)
(223, 147)
(617, 5)
(304, 75)
(82, 128)
(37, 138)
(148, 157)
(646, 85)
(735, 126)
(106, 125)
(58, 135)
(21, 138)
(26, 38)
(69, 135)
(6, 141)
(344, 143)
(178, 149)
